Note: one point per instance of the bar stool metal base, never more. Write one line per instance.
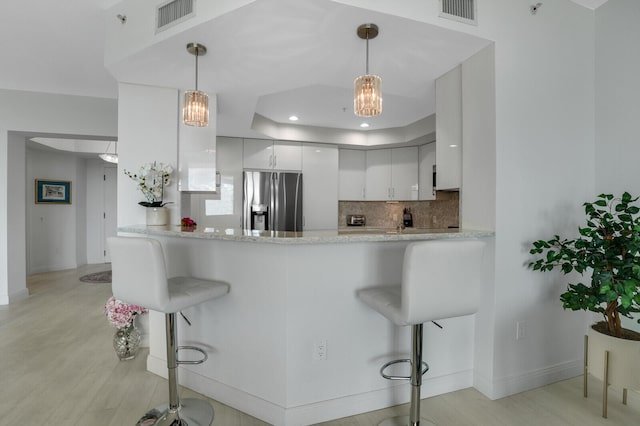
(404, 421)
(192, 412)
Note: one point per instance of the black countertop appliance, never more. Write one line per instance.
(407, 218)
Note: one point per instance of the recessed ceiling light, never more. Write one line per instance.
(364, 125)
(293, 118)
(453, 146)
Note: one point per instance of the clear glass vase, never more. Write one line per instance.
(126, 342)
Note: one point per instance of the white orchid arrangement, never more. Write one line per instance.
(151, 180)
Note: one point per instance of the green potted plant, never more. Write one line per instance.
(607, 248)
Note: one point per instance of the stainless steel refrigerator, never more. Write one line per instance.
(272, 201)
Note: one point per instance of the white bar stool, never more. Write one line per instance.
(139, 277)
(440, 279)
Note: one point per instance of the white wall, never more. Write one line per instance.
(13, 215)
(617, 91)
(617, 106)
(31, 114)
(147, 132)
(54, 230)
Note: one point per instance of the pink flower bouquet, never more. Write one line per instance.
(121, 314)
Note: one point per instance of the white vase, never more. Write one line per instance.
(157, 216)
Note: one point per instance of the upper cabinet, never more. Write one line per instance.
(197, 155)
(449, 130)
(352, 172)
(392, 174)
(427, 154)
(378, 176)
(404, 173)
(272, 155)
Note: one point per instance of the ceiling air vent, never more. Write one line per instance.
(173, 12)
(459, 10)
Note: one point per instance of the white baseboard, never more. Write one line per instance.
(52, 268)
(317, 412)
(6, 299)
(399, 393)
(511, 385)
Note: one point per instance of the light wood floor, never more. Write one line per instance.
(57, 367)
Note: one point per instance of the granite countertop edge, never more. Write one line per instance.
(307, 237)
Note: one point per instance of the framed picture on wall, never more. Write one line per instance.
(53, 191)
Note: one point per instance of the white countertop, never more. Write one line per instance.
(342, 235)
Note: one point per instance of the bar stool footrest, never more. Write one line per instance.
(193, 348)
(425, 368)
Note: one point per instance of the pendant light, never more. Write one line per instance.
(195, 111)
(108, 157)
(367, 101)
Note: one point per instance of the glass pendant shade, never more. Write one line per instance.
(195, 111)
(109, 158)
(367, 100)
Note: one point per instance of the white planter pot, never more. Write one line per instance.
(157, 216)
(624, 359)
(614, 361)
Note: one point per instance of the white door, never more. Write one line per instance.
(110, 220)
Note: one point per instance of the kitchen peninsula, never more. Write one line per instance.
(291, 344)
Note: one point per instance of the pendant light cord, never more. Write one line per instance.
(196, 69)
(367, 55)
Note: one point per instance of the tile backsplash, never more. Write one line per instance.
(443, 212)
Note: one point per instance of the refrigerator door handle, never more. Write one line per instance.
(273, 220)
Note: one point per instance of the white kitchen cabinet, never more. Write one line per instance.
(197, 155)
(449, 130)
(392, 174)
(263, 154)
(319, 186)
(287, 155)
(427, 154)
(352, 174)
(378, 178)
(404, 173)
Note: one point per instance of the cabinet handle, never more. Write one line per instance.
(271, 160)
(275, 160)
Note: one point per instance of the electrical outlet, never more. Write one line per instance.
(395, 217)
(320, 350)
(520, 330)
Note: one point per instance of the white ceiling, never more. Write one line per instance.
(273, 57)
(284, 57)
(48, 46)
